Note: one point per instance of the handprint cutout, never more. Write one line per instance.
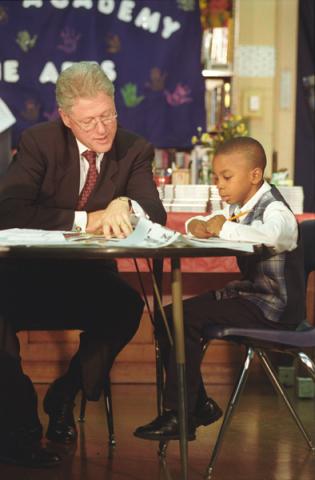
(70, 40)
(179, 96)
(129, 93)
(25, 41)
(157, 80)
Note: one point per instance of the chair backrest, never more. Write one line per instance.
(307, 229)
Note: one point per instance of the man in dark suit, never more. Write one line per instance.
(83, 173)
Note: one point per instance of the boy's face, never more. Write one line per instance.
(236, 178)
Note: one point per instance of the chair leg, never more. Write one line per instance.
(82, 408)
(308, 363)
(278, 387)
(109, 413)
(230, 410)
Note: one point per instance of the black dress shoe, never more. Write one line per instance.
(208, 413)
(164, 427)
(59, 407)
(22, 448)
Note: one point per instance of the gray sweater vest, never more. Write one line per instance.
(273, 281)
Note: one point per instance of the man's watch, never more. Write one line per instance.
(126, 200)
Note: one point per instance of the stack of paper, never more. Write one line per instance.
(294, 196)
(188, 198)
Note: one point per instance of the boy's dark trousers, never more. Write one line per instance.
(199, 312)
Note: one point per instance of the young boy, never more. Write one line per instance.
(270, 293)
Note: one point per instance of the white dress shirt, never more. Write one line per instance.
(80, 217)
(278, 228)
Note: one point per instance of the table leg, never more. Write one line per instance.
(180, 361)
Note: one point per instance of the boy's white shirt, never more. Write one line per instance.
(278, 228)
(80, 217)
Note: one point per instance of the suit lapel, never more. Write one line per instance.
(68, 180)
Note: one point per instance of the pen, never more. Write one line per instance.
(238, 215)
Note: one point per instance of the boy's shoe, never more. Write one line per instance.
(164, 427)
(209, 413)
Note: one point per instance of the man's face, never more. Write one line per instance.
(93, 121)
(236, 178)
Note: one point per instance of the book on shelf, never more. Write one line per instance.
(217, 46)
(217, 101)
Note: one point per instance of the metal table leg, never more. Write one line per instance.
(180, 360)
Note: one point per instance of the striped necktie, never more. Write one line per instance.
(90, 181)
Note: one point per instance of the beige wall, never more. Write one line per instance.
(285, 81)
(268, 25)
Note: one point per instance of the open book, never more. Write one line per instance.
(146, 234)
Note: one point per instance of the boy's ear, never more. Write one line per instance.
(256, 175)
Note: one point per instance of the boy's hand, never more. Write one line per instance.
(198, 228)
(214, 225)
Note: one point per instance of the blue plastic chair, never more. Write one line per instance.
(308, 239)
(259, 343)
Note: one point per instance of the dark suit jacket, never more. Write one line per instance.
(41, 190)
(41, 187)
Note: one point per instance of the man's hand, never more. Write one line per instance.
(198, 228)
(94, 222)
(114, 221)
(214, 225)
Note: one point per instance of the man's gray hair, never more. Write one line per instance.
(82, 79)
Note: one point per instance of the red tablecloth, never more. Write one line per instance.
(176, 221)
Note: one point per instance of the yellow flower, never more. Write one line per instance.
(205, 138)
(240, 128)
(194, 140)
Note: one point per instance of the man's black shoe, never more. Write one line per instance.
(164, 427)
(208, 413)
(22, 448)
(61, 427)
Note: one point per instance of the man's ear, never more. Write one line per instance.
(256, 175)
(64, 117)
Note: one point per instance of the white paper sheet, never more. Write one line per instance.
(7, 119)
(24, 236)
(215, 242)
(146, 235)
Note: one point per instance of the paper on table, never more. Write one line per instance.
(25, 236)
(147, 234)
(215, 242)
(7, 119)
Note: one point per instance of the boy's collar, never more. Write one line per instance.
(254, 199)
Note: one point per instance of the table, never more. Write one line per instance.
(176, 221)
(175, 254)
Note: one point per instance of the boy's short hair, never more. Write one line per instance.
(81, 79)
(248, 146)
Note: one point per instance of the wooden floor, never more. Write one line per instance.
(262, 443)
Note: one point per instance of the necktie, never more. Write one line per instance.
(90, 179)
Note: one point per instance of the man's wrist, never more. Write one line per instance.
(126, 200)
